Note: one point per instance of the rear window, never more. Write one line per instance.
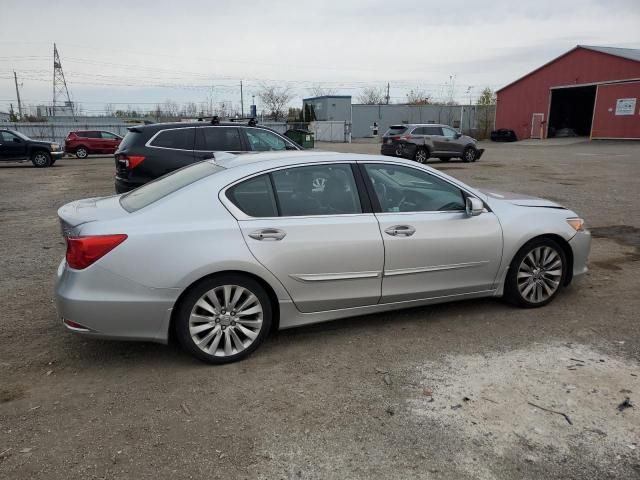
(180, 139)
(395, 130)
(129, 139)
(166, 185)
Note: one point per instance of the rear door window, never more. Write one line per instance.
(219, 139)
(177, 139)
(432, 131)
(108, 136)
(418, 131)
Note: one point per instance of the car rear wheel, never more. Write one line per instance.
(536, 274)
(421, 155)
(82, 152)
(223, 319)
(41, 159)
(469, 154)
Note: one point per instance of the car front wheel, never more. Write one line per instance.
(469, 154)
(41, 159)
(536, 274)
(223, 319)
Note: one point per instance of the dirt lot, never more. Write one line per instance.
(452, 391)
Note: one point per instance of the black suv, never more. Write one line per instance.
(16, 147)
(150, 151)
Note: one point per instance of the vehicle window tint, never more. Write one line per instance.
(108, 136)
(129, 139)
(405, 189)
(181, 139)
(263, 140)
(418, 131)
(395, 130)
(316, 190)
(254, 197)
(224, 139)
(90, 134)
(432, 131)
(161, 187)
(7, 137)
(449, 132)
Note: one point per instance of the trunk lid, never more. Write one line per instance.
(89, 210)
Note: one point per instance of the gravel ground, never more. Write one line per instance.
(475, 389)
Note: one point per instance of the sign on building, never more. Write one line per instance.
(625, 106)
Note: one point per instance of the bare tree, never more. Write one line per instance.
(485, 111)
(372, 96)
(318, 90)
(108, 109)
(275, 100)
(418, 97)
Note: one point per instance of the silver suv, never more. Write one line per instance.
(420, 142)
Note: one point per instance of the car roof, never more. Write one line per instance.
(419, 125)
(167, 125)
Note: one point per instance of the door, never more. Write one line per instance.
(432, 248)
(451, 144)
(11, 146)
(437, 138)
(308, 227)
(110, 142)
(217, 139)
(537, 122)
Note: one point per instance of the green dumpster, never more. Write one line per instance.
(304, 138)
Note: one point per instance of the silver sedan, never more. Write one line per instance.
(222, 252)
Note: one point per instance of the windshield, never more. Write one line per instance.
(21, 135)
(395, 130)
(166, 185)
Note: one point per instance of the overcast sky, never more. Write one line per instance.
(145, 52)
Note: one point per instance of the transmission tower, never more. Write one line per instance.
(60, 90)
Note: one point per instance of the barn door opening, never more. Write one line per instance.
(537, 121)
(571, 111)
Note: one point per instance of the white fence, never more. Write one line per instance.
(331, 131)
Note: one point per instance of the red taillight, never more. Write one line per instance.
(132, 161)
(83, 251)
(71, 136)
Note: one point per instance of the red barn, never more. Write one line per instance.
(594, 91)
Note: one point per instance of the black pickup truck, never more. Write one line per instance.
(16, 147)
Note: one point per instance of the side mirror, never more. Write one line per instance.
(474, 206)
(458, 135)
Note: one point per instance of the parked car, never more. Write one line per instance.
(85, 142)
(16, 146)
(150, 151)
(504, 135)
(221, 252)
(423, 141)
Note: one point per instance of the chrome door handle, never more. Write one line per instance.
(400, 231)
(268, 234)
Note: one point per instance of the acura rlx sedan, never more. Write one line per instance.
(221, 252)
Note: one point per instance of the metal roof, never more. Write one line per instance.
(628, 53)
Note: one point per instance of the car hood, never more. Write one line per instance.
(519, 199)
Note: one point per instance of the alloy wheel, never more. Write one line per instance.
(470, 155)
(421, 156)
(226, 320)
(40, 159)
(539, 274)
(81, 153)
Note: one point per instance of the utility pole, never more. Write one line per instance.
(388, 86)
(12, 115)
(15, 78)
(241, 101)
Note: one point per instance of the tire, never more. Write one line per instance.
(421, 155)
(199, 319)
(534, 266)
(41, 159)
(469, 155)
(82, 152)
(444, 159)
